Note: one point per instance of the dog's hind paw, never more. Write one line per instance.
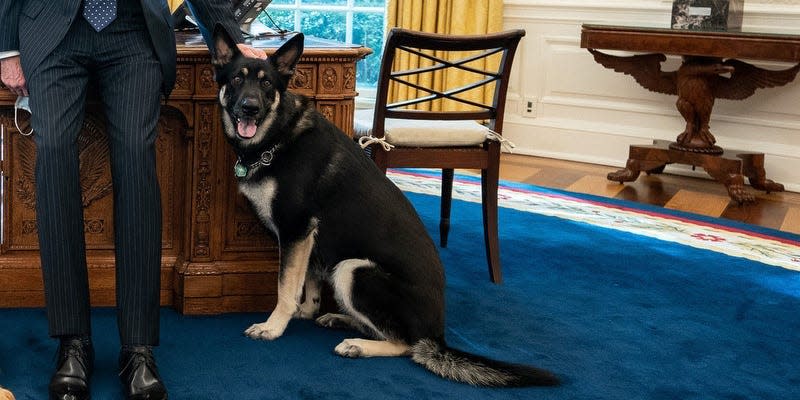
(336, 321)
(263, 332)
(349, 348)
(306, 311)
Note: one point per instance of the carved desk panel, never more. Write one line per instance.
(216, 256)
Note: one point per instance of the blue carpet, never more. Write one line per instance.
(615, 315)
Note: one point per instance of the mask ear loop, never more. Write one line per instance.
(16, 123)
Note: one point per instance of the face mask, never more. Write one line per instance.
(22, 104)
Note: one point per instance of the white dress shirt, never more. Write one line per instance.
(9, 53)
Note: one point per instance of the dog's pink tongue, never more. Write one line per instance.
(247, 128)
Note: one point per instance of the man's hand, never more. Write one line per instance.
(252, 52)
(11, 75)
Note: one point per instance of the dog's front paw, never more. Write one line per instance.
(264, 331)
(349, 348)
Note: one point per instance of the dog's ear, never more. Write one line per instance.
(285, 58)
(224, 47)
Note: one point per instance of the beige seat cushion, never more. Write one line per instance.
(422, 133)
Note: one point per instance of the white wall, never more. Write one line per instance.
(584, 112)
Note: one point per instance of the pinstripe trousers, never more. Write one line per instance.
(121, 62)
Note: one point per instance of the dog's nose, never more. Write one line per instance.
(249, 105)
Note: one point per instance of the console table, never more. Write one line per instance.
(707, 57)
(216, 256)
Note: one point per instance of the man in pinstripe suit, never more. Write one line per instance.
(52, 50)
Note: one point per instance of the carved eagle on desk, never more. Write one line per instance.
(697, 83)
(93, 153)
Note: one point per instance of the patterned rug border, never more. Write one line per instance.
(774, 248)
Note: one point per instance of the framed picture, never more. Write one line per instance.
(710, 15)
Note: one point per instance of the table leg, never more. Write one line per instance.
(634, 167)
(734, 183)
(753, 169)
(729, 168)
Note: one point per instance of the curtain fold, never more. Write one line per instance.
(446, 16)
(450, 17)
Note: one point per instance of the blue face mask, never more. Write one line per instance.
(22, 104)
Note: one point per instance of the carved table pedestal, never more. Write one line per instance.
(708, 57)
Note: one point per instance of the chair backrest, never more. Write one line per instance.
(483, 61)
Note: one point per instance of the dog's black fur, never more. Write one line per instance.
(337, 218)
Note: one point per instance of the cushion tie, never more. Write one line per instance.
(507, 144)
(365, 141)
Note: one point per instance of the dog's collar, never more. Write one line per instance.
(241, 168)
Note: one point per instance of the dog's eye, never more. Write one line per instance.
(237, 80)
(266, 84)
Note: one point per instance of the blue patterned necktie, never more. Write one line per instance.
(99, 13)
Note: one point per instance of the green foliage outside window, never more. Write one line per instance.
(331, 24)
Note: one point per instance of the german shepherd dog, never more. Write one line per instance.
(338, 219)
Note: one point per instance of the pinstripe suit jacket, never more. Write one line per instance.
(36, 27)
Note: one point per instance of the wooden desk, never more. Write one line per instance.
(216, 257)
(698, 81)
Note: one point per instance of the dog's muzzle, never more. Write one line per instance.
(246, 122)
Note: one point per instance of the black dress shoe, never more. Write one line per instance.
(73, 369)
(139, 374)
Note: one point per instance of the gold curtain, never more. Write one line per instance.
(173, 4)
(452, 17)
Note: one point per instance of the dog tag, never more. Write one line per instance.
(239, 170)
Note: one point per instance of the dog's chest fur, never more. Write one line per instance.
(261, 195)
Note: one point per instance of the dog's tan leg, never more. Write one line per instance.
(310, 306)
(290, 290)
(5, 394)
(355, 348)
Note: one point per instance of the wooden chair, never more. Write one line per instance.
(426, 130)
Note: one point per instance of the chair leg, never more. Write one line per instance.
(447, 196)
(489, 181)
(379, 156)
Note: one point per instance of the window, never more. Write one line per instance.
(349, 21)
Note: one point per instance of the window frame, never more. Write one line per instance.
(349, 9)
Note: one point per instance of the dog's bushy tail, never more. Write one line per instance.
(476, 370)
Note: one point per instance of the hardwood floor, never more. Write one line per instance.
(779, 211)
